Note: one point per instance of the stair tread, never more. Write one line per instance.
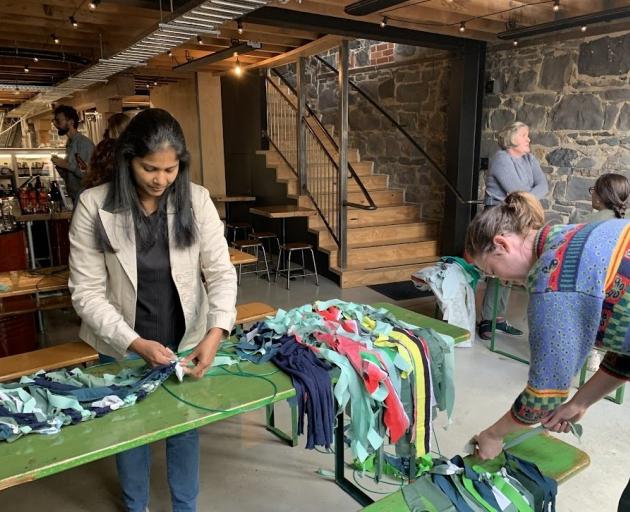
(410, 262)
(369, 245)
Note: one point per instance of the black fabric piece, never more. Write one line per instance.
(402, 290)
(624, 502)
(311, 379)
(159, 314)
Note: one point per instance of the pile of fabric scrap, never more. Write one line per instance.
(392, 376)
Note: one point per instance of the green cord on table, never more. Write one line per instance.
(400, 484)
(240, 373)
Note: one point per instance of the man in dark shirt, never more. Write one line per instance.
(78, 150)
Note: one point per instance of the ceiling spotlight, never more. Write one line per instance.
(199, 40)
(239, 26)
(26, 70)
(583, 28)
(35, 59)
(17, 90)
(169, 53)
(155, 82)
(556, 5)
(384, 22)
(148, 86)
(73, 21)
(238, 70)
(55, 39)
(93, 4)
(462, 27)
(515, 42)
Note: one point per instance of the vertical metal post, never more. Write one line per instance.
(301, 128)
(343, 154)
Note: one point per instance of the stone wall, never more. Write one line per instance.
(575, 96)
(413, 89)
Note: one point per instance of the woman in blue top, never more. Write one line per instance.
(512, 169)
(577, 277)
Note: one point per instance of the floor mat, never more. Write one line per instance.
(401, 290)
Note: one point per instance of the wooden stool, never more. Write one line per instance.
(235, 227)
(245, 246)
(261, 236)
(289, 249)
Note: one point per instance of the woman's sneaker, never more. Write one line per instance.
(485, 329)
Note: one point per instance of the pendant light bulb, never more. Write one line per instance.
(384, 22)
(199, 40)
(462, 27)
(238, 70)
(73, 22)
(556, 5)
(583, 28)
(239, 27)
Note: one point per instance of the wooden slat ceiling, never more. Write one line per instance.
(27, 25)
(483, 18)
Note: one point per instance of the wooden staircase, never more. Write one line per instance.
(384, 245)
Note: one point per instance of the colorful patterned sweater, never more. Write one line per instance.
(577, 300)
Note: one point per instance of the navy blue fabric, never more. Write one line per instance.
(311, 379)
(85, 395)
(448, 488)
(22, 419)
(518, 468)
(481, 486)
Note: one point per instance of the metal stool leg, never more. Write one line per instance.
(314, 267)
(289, 270)
(278, 265)
(303, 263)
(240, 271)
(266, 263)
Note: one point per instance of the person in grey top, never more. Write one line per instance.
(513, 168)
(79, 150)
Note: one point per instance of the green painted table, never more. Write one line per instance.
(159, 416)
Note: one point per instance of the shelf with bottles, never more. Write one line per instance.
(27, 163)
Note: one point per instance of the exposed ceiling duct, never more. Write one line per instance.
(205, 18)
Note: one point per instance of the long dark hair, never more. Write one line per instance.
(614, 190)
(151, 130)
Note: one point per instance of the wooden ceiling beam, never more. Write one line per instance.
(89, 31)
(64, 8)
(248, 28)
(485, 30)
(314, 47)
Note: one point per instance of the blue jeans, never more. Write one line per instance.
(182, 469)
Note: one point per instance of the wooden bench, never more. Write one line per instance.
(252, 312)
(554, 458)
(78, 352)
(51, 358)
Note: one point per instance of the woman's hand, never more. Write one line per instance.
(558, 420)
(489, 445)
(153, 352)
(203, 354)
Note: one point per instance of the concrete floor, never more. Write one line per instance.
(245, 468)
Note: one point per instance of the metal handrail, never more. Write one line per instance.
(289, 164)
(413, 142)
(353, 173)
(279, 151)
